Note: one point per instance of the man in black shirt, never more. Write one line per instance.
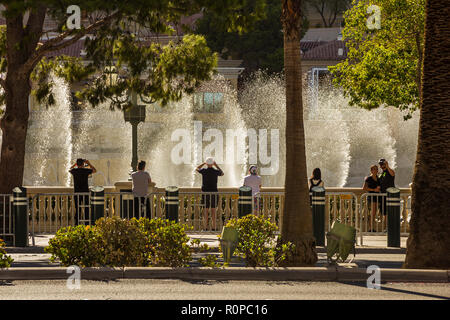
(209, 184)
(81, 171)
(387, 180)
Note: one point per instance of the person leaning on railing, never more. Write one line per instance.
(140, 181)
(372, 185)
(253, 180)
(315, 181)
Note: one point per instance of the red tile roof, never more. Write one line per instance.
(328, 51)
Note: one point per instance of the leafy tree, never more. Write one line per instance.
(384, 65)
(261, 47)
(112, 31)
(429, 238)
(329, 9)
(297, 220)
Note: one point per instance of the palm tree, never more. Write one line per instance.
(297, 219)
(428, 244)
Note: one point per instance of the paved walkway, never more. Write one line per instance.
(374, 252)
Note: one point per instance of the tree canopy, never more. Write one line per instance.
(329, 9)
(383, 66)
(118, 35)
(261, 47)
(123, 37)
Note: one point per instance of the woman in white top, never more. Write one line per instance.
(254, 181)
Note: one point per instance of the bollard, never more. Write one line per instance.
(97, 204)
(393, 217)
(245, 202)
(228, 242)
(172, 203)
(126, 204)
(318, 214)
(20, 211)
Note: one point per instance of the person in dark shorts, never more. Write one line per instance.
(81, 170)
(372, 185)
(209, 184)
(387, 180)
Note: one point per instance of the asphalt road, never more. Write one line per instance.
(219, 290)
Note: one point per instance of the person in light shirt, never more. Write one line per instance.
(254, 181)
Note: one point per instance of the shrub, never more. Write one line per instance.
(119, 242)
(5, 260)
(123, 242)
(209, 260)
(257, 241)
(78, 245)
(167, 242)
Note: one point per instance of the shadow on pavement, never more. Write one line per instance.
(364, 285)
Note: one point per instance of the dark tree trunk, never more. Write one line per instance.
(20, 44)
(14, 125)
(297, 219)
(429, 239)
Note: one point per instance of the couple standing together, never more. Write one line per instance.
(378, 184)
(209, 188)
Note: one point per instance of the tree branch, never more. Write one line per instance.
(56, 43)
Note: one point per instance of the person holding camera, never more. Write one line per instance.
(387, 180)
(81, 170)
(209, 189)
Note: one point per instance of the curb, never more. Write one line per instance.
(340, 273)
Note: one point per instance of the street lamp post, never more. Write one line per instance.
(134, 115)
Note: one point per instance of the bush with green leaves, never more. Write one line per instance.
(80, 245)
(210, 260)
(116, 242)
(5, 260)
(167, 242)
(258, 243)
(123, 242)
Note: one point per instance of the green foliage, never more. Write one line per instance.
(154, 71)
(167, 242)
(261, 47)
(68, 68)
(258, 243)
(5, 260)
(383, 66)
(209, 260)
(116, 242)
(80, 245)
(122, 242)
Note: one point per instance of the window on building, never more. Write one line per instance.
(208, 102)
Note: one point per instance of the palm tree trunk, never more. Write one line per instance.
(297, 219)
(428, 244)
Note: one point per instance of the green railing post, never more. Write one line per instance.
(97, 204)
(318, 214)
(172, 203)
(245, 204)
(393, 217)
(20, 210)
